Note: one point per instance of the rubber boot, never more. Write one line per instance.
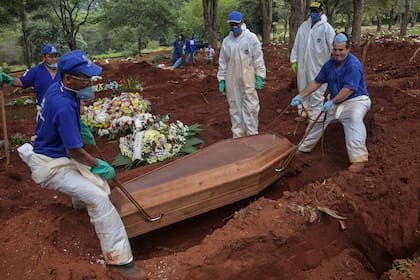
(356, 166)
(130, 271)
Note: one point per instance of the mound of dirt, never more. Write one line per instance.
(317, 222)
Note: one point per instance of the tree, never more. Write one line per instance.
(210, 20)
(281, 15)
(146, 18)
(18, 11)
(72, 14)
(377, 9)
(357, 21)
(406, 17)
(298, 11)
(267, 20)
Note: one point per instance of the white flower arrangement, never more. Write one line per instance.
(147, 138)
(110, 117)
(158, 142)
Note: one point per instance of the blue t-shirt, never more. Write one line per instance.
(58, 125)
(349, 75)
(190, 46)
(178, 45)
(39, 77)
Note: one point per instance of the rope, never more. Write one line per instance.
(129, 196)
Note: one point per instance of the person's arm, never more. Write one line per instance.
(221, 72)
(82, 156)
(98, 166)
(342, 95)
(311, 87)
(259, 64)
(17, 82)
(9, 80)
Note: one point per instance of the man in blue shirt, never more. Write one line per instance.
(59, 162)
(178, 49)
(190, 49)
(41, 76)
(348, 102)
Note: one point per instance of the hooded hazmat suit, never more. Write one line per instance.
(240, 60)
(312, 48)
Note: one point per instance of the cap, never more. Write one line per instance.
(235, 17)
(49, 49)
(78, 62)
(340, 38)
(316, 5)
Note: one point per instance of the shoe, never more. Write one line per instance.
(356, 166)
(131, 271)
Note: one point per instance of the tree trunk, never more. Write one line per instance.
(406, 18)
(73, 42)
(391, 19)
(210, 21)
(379, 23)
(297, 16)
(267, 20)
(414, 18)
(25, 41)
(139, 44)
(357, 21)
(285, 27)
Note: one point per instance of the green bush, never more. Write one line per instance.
(5, 67)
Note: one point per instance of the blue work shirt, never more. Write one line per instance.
(190, 46)
(349, 75)
(39, 77)
(58, 125)
(178, 45)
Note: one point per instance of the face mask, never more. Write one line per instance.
(87, 93)
(52, 66)
(315, 17)
(236, 30)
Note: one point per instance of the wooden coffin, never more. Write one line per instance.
(220, 174)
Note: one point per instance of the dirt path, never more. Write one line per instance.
(278, 234)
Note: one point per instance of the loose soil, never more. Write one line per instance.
(278, 234)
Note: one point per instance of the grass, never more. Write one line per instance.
(403, 266)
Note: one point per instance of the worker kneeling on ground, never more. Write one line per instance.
(348, 102)
(59, 162)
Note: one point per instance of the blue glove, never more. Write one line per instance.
(296, 101)
(104, 170)
(259, 83)
(327, 106)
(222, 87)
(294, 66)
(4, 78)
(86, 134)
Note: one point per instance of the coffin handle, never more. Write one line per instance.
(287, 160)
(149, 219)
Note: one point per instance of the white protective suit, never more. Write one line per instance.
(75, 179)
(240, 60)
(312, 48)
(350, 114)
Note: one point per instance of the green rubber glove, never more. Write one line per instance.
(259, 83)
(294, 66)
(222, 87)
(4, 78)
(104, 170)
(86, 134)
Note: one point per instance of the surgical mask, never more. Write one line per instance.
(87, 93)
(315, 17)
(236, 30)
(52, 65)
